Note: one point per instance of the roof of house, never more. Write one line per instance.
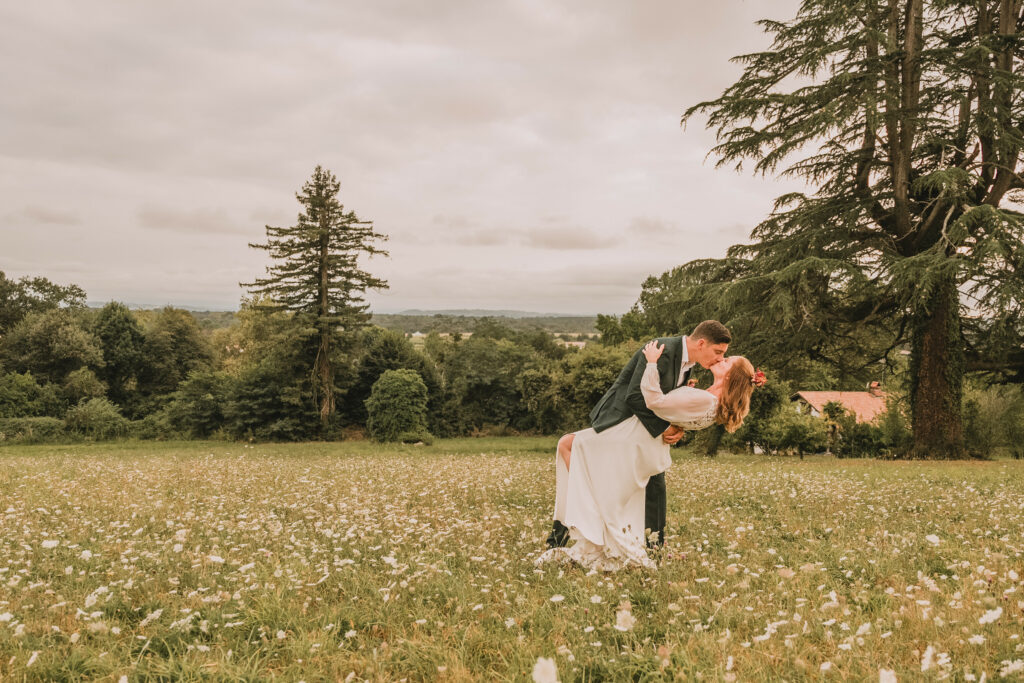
(865, 405)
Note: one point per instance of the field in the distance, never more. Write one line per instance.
(218, 561)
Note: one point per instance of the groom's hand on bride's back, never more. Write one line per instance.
(672, 435)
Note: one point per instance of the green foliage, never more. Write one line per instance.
(22, 396)
(31, 430)
(174, 346)
(382, 350)
(83, 384)
(268, 405)
(539, 390)
(96, 418)
(633, 326)
(397, 406)
(584, 379)
(121, 340)
(34, 295)
(197, 407)
(993, 418)
(51, 345)
(788, 431)
(765, 403)
(481, 379)
(888, 436)
(895, 427)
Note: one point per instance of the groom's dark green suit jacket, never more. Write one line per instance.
(623, 399)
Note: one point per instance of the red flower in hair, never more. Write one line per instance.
(758, 380)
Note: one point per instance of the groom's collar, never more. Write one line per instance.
(686, 353)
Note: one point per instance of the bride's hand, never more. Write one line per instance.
(652, 352)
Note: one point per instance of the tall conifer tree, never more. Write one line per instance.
(905, 117)
(316, 273)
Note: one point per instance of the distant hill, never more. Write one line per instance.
(486, 313)
(450, 321)
(438, 321)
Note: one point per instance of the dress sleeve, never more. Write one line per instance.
(681, 405)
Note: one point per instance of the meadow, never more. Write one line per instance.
(356, 561)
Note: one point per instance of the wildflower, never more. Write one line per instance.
(32, 659)
(557, 598)
(991, 615)
(596, 599)
(928, 659)
(886, 676)
(50, 543)
(1016, 666)
(624, 620)
(150, 618)
(545, 671)
(932, 538)
(825, 666)
(976, 639)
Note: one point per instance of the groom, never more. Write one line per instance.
(706, 346)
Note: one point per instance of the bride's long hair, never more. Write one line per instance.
(735, 402)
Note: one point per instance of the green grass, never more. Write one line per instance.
(324, 561)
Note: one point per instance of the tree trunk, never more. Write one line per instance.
(937, 378)
(326, 381)
(323, 354)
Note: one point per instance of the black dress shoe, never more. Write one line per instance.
(559, 536)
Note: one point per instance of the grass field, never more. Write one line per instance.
(216, 561)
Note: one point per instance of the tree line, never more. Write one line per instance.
(68, 371)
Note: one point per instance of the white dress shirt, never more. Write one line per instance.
(686, 363)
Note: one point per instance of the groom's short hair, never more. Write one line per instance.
(713, 331)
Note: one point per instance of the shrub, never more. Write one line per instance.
(197, 407)
(97, 419)
(31, 429)
(267, 404)
(790, 431)
(397, 406)
(895, 428)
(83, 384)
(154, 427)
(22, 396)
(416, 437)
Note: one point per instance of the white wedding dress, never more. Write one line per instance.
(600, 498)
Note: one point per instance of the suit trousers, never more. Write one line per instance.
(655, 506)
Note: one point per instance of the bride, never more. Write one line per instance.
(600, 477)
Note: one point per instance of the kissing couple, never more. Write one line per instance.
(610, 479)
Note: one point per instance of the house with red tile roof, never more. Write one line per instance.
(865, 405)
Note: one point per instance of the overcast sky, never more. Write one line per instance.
(520, 154)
